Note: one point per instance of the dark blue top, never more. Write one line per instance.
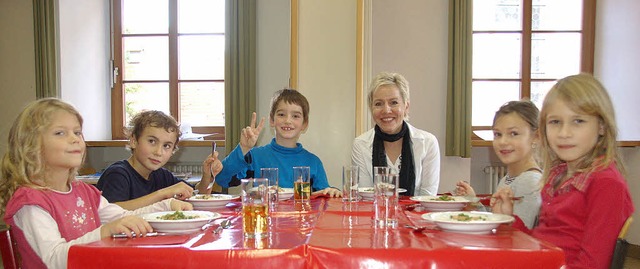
(270, 156)
(120, 182)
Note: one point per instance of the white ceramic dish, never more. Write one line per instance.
(89, 179)
(285, 193)
(480, 223)
(180, 226)
(211, 201)
(367, 192)
(435, 203)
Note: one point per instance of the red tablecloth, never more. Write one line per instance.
(328, 234)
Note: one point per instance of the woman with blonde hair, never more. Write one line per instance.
(412, 153)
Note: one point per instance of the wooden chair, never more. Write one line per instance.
(10, 256)
(620, 251)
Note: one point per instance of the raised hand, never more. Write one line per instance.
(212, 164)
(464, 189)
(249, 135)
(331, 192)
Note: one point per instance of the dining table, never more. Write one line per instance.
(325, 233)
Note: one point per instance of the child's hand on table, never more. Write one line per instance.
(128, 225)
(330, 192)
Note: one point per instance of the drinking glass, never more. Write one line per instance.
(350, 180)
(255, 207)
(386, 200)
(381, 170)
(271, 174)
(301, 184)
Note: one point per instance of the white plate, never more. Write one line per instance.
(179, 226)
(433, 203)
(211, 201)
(89, 179)
(285, 193)
(367, 192)
(485, 224)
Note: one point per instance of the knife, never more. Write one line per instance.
(123, 235)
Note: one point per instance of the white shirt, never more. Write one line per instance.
(41, 230)
(426, 155)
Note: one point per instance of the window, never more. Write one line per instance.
(169, 56)
(521, 47)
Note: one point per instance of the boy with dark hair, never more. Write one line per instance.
(141, 179)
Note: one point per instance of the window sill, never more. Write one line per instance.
(123, 143)
(489, 143)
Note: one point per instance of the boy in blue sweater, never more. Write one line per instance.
(289, 117)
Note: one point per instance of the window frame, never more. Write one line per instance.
(586, 58)
(117, 94)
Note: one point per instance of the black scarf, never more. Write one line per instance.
(407, 172)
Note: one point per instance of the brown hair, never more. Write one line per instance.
(526, 109)
(152, 118)
(290, 96)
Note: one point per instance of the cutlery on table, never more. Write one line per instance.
(415, 228)
(223, 225)
(123, 235)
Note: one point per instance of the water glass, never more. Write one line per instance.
(255, 207)
(350, 180)
(385, 200)
(271, 174)
(301, 184)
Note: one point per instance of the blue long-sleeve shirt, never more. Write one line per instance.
(270, 156)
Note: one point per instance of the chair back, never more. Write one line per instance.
(620, 251)
(10, 256)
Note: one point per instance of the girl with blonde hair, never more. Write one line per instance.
(48, 210)
(585, 198)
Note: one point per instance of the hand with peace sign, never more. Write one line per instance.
(249, 135)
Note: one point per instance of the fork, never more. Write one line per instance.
(214, 146)
(223, 225)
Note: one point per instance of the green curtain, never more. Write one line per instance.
(45, 48)
(458, 139)
(240, 68)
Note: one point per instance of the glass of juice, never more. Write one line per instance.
(255, 207)
(301, 184)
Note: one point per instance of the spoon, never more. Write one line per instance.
(223, 225)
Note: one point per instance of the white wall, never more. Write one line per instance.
(618, 59)
(17, 70)
(410, 37)
(273, 57)
(327, 31)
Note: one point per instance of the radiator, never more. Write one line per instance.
(494, 173)
(183, 168)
